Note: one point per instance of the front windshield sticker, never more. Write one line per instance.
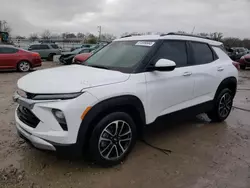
(144, 43)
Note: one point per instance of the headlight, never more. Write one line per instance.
(56, 96)
(22, 93)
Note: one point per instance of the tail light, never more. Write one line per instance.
(237, 65)
(37, 55)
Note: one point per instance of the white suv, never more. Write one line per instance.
(101, 106)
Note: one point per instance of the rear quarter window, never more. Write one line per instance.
(221, 53)
(202, 53)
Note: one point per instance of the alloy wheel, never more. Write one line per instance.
(115, 140)
(24, 66)
(225, 105)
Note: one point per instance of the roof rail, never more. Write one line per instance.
(188, 35)
(130, 35)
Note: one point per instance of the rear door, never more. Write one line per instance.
(44, 50)
(205, 66)
(169, 91)
(8, 57)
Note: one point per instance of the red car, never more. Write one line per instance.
(80, 58)
(18, 59)
(245, 61)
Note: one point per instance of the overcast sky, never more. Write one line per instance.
(232, 17)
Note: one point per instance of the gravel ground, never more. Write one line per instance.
(204, 155)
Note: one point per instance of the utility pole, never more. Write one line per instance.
(193, 30)
(99, 31)
(0, 25)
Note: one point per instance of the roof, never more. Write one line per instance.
(170, 37)
(7, 45)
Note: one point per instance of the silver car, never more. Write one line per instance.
(46, 51)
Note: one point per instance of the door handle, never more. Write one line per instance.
(220, 69)
(187, 74)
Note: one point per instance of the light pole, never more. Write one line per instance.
(99, 31)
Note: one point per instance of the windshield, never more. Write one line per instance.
(120, 55)
(78, 50)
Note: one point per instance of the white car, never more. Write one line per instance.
(101, 106)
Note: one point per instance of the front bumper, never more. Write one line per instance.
(48, 134)
(35, 141)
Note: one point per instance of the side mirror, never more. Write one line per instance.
(164, 65)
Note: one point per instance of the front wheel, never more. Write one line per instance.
(23, 66)
(50, 57)
(112, 139)
(222, 106)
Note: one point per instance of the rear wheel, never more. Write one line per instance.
(222, 106)
(23, 66)
(243, 67)
(112, 139)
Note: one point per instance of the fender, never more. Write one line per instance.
(107, 106)
(230, 82)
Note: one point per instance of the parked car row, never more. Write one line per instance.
(18, 59)
(46, 51)
(237, 52)
(245, 61)
(79, 55)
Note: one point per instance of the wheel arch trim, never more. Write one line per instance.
(105, 106)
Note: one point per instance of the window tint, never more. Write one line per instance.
(7, 50)
(202, 53)
(34, 47)
(54, 46)
(85, 51)
(43, 47)
(175, 51)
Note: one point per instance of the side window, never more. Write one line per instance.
(175, 51)
(54, 46)
(6, 50)
(202, 53)
(34, 47)
(43, 47)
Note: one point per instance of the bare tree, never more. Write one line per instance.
(107, 37)
(216, 36)
(46, 34)
(4, 26)
(80, 35)
(33, 36)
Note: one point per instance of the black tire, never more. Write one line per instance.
(220, 110)
(50, 57)
(99, 148)
(23, 66)
(243, 67)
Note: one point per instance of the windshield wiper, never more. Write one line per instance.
(98, 66)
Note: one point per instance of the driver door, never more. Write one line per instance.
(169, 91)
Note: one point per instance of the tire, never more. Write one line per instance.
(243, 67)
(106, 147)
(50, 57)
(222, 106)
(23, 66)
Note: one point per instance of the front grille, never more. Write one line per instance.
(30, 95)
(27, 117)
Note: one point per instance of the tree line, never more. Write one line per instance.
(91, 38)
(85, 37)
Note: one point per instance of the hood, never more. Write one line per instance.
(68, 53)
(68, 79)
